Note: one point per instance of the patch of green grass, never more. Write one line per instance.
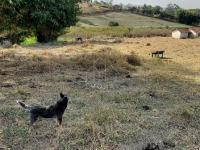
(119, 31)
(89, 32)
(29, 41)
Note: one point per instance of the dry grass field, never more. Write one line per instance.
(120, 97)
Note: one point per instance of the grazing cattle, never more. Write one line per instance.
(158, 54)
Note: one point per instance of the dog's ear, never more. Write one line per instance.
(62, 95)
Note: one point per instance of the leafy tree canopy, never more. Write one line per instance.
(46, 18)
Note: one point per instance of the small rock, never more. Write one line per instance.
(33, 86)
(168, 144)
(152, 95)
(148, 44)
(69, 80)
(146, 107)
(151, 146)
(2, 72)
(79, 79)
(155, 110)
(128, 76)
(6, 44)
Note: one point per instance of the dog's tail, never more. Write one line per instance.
(23, 105)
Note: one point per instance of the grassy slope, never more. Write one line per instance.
(105, 112)
(131, 25)
(128, 20)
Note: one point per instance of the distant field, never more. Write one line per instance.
(128, 20)
(107, 32)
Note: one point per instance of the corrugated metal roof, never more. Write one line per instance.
(196, 29)
(186, 30)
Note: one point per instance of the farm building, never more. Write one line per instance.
(194, 32)
(180, 33)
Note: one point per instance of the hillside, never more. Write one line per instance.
(89, 9)
(128, 20)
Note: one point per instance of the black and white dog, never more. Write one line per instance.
(52, 111)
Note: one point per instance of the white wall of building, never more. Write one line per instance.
(179, 35)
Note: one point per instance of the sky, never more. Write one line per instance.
(182, 3)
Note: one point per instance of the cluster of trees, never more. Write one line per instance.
(190, 17)
(44, 18)
(172, 12)
(146, 10)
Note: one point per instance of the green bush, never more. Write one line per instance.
(29, 40)
(113, 24)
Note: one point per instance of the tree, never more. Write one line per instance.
(117, 7)
(187, 17)
(171, 10)
(147, 10)
(133, 9)
(157, 10)
(46, 18)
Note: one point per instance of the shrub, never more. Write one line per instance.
(29, 40)
(106, 58)
(187, 114)
(132, 59)
(113, 24)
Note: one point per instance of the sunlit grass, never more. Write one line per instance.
(29, 41)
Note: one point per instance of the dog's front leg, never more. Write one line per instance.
(60, 127)
(59, 119)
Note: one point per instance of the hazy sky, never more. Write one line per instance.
(163, 3)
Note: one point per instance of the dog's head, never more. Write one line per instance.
(63, 97)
